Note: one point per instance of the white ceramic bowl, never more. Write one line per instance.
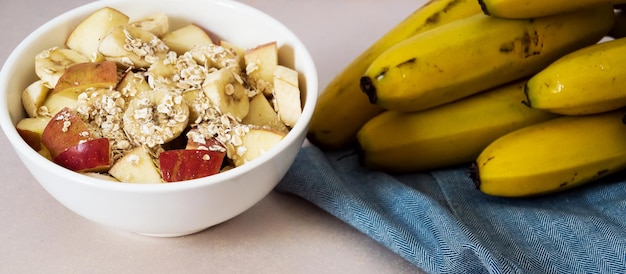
(173, 209)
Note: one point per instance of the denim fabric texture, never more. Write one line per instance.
(441, 223)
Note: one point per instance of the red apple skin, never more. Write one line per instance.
(187, 164)
(92, 74)
(33, 139)
(89, 156)
(57, 139)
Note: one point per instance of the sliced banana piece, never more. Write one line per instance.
(157, 23)
(227, 93)
(34, 96)
(132, 47)
(163, 74)
(212, 55)
(50, 64)
(155, 117)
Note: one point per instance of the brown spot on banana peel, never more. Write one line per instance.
(527, 45)
(527, 101)
(406, 63)
(433, 19)
(369, 89)
(436, 17)
(483, 7)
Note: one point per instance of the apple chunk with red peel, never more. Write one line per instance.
(88, 156)
(255, 143)
(82, 76)
(132, 83)
(65, 130)
(187, 164)
(136, 166)
(31, 130)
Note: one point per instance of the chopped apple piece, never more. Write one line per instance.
(187, 164)
(238, 51)
(55, 102)
(157, 23)
(65, 130)
(50, 64)
(132, 83)
(86, 36)
(136, 166)
(31, 130)
(261, 62)
(185, 38)
(262, 114)
(255, 143)
(89, 156)
(82, 76)
(287, 74)
(34, 96)
(287, 101)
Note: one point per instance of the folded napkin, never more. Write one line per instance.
(441, 223)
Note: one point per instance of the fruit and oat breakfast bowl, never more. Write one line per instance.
(185, 112)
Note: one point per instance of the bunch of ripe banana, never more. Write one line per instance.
(531, 92)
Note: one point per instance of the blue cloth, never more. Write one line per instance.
(441, 223)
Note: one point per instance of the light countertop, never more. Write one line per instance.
(281, 234)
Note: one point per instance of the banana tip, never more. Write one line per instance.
(368, 88)
(474, 175)
(483, 7)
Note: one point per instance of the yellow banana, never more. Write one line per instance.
(475, 54)
(444, 136)
(342, 108)
(553, 156)
(519, 9)
(588, 81)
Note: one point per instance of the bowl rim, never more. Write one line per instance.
(8, 127)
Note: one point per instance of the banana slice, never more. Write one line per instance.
(132, 47)
(50, 64)
(34, 96)
(227, 93)
(212, 55)
(155, 118)
(158, 24)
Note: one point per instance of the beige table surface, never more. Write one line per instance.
(281, 234)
